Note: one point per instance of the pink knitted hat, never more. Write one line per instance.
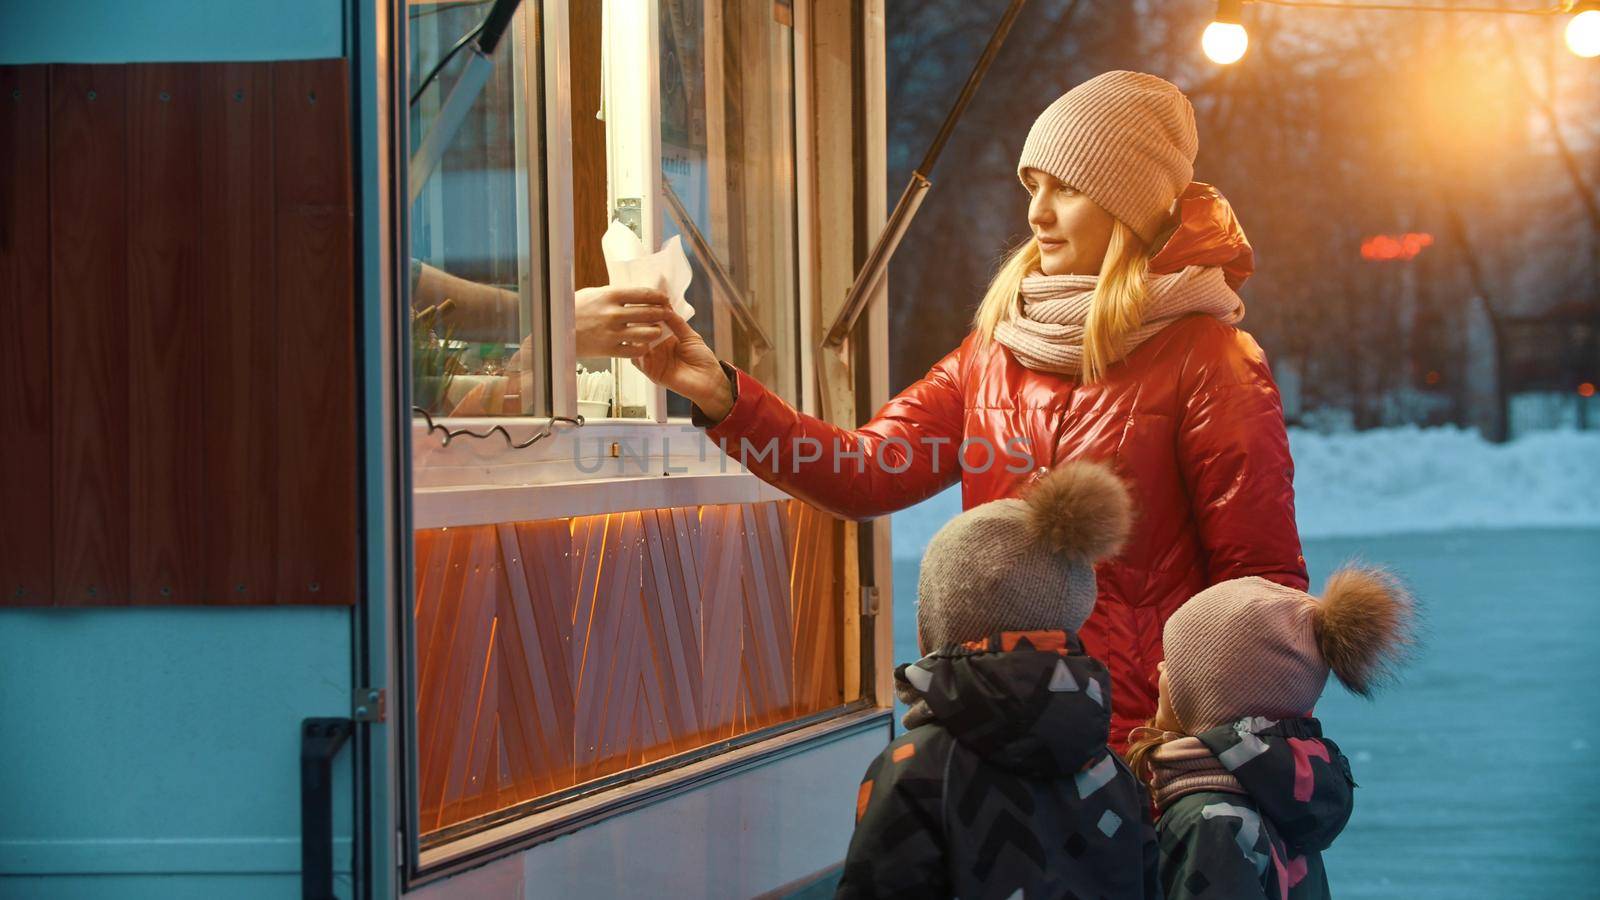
(1125, 139)
(1251, 647)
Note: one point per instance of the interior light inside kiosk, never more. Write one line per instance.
(628, 107)
(625, 84)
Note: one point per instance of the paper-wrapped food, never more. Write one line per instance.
(667, 270)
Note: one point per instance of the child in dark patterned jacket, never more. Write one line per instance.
(1249, 791)
(1003, 784)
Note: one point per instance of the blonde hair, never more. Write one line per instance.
(1116, 309)
(1140, 749)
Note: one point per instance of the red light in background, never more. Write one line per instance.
(1586, 389)
(1433, 377)
(1390, 247)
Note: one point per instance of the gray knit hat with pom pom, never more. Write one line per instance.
(1022, 564)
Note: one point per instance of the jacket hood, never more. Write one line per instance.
(1204, 232)
(1296, 777)
(1030, 702)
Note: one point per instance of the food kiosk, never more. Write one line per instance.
(329, 565)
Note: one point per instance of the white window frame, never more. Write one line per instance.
(486, 481)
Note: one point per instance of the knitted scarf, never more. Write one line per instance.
(1047, 333)
(1184, 765)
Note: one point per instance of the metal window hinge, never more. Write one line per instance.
(869, 600)
(368, 705)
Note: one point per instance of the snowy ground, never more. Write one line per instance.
(1477, 771)
(1399, 481)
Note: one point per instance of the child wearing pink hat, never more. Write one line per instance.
(1248, 790)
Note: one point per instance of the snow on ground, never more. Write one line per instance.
(1409, 480)
(1399, 481)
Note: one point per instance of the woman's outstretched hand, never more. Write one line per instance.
(683, 363)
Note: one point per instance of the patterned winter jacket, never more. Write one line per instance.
(1003, 782)
(1269, 844)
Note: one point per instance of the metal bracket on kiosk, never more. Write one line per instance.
(876, 266)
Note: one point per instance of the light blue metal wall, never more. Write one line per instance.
(155, 752)
(143, 744)
(112, 31)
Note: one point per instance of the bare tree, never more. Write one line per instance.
(1335, 127)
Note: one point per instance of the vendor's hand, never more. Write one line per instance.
(619, 321)
(486, 399)
(685, 364)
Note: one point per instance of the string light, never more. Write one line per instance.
(1583, 32)
(1225, 39)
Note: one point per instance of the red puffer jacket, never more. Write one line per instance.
(1190, 420)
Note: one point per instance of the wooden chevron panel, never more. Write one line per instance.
(555, 652)
(814, 595)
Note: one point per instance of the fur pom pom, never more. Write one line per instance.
(1364, 625)
(1081, 510)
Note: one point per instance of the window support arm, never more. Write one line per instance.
(722, 282)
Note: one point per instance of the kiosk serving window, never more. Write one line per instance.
(577, 630)
(700, 146)
(476, 267)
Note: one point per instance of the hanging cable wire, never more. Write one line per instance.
(1225, 39)
(1402, 7)
(445, 59)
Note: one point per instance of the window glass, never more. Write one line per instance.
(716, 168)
(728, 174)
(475, 285)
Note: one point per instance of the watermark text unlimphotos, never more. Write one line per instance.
(652, 454)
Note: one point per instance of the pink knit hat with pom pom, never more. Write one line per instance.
(1251, 647)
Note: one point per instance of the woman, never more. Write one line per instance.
(1091, 343)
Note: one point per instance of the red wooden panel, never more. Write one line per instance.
(538, 637)
(434, 571)
(239, 458)
(721, 618)
(468, 793)
(89, 324)
(315, 418)
(607, 679)
(25, 407)
(588, 536)
(669, 612)
(165, 442)
(439, 661)
(688, 625)
(814, 592)
(457, 656)
(768, 634)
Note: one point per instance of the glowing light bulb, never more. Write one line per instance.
(1583, 34)
(1225, 42)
